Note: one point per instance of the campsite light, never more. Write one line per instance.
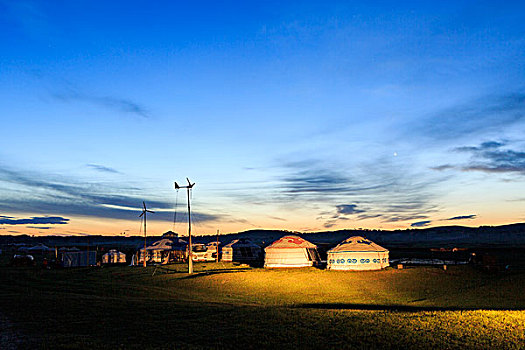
(190, 251)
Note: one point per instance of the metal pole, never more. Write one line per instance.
(190, 248)
(217, 245)
(144, 239)
(190, 257)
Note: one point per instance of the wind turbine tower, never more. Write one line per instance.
(143, 216)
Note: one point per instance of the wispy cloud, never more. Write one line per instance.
(421, 223)
(398, 218)
(379, 189)
(43, 220)
(342, 213)
(368, 216)
(490, 157)
(103, 169)
(310, 177)
(40, 194)
(329, 224)
(463, 217)
(346, 209)
(276, 218)
(29, 16)
(117, 104)
(443, 167)
(488, 113)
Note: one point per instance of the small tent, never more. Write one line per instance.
(291, 251)
(357, 253)
(80, 258)
(114, 257)
(242, 250)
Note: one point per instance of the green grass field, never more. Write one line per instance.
(226, 306)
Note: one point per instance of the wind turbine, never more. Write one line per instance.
(190, 252)
(143, 214)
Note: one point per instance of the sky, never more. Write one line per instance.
(294, 115)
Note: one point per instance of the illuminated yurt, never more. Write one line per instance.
(291, 251)
(241, 250)
(162, 252)
(114, 257)
(357, 253)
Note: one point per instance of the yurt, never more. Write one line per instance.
(242, 250)
(357, 253)
(291, 251)
(162, 252)
(114, 257)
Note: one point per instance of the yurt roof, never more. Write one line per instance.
(170, 234)
(292, 242)
(357, 244)
(242, 242)
(162, 244)
(39, 247)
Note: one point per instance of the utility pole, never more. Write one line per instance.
(217, 245)
(190, 248)
(144, 211)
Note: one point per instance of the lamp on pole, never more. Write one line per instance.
(190, 252)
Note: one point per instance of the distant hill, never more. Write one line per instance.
(445, 236)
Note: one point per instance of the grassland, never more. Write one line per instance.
(226, 306)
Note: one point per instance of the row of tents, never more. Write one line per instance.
(355, 253)
(70, 256)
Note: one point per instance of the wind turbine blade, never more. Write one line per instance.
(144, 204)
(176, 185)
(141, 214)
(149, 211)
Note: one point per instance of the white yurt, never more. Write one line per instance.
(357, 253)
(291, 251)
(241, 250)
(114, 257)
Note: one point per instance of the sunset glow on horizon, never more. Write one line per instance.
(300, 116)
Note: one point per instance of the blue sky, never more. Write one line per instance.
(297, 115)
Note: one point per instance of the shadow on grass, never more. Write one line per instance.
(404, 308)
(215, 272)
(196, 274)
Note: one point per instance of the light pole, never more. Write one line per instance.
(190, 252)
